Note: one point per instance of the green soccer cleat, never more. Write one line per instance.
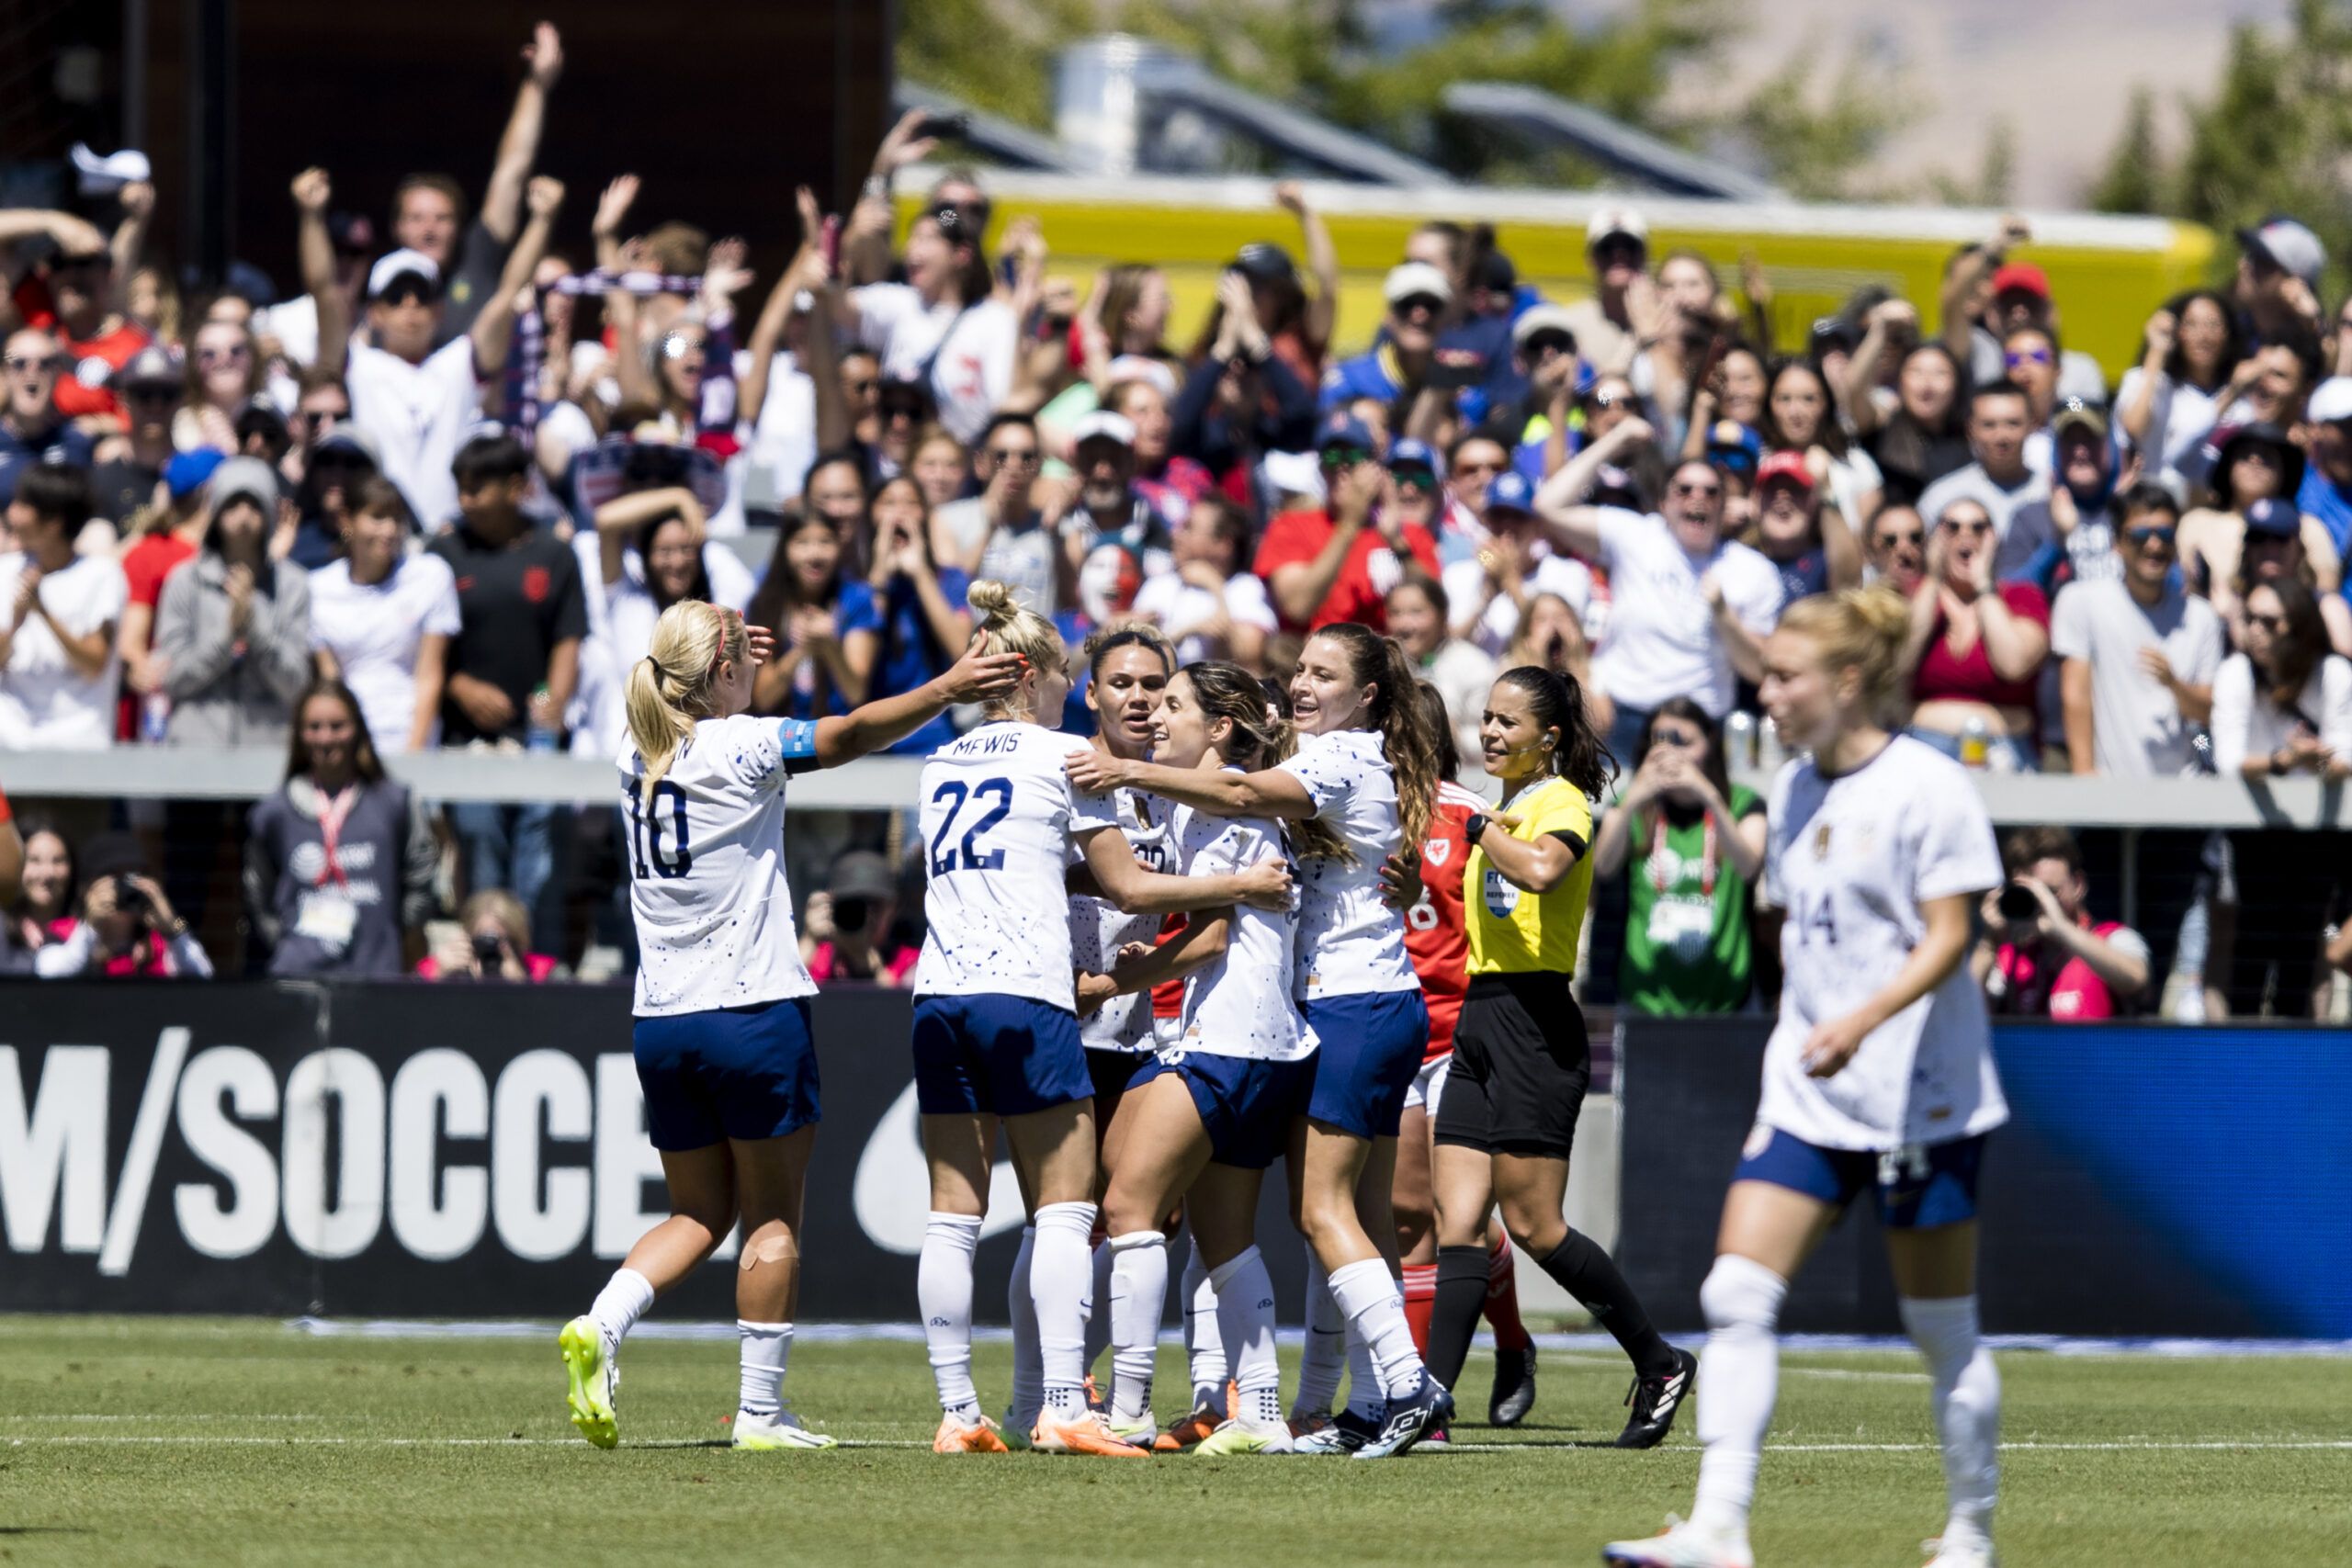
(1241, 1438)
(1142, 1433)
(592, 1375)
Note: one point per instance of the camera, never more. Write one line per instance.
(487, 949)
(2018, 903)
(127, 897)
(946, 125)
(851, 914)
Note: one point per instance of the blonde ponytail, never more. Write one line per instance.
(671, 686)
(1862, 630)
(1008, 627)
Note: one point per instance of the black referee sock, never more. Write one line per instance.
(1585, 1273)
(1453, 1314)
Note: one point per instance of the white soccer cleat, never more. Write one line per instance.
(1956, 1553)
(1682, 1545)
(769, 1434)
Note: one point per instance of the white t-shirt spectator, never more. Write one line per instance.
(1178, 608)
(2002, 503)
(1020, 556)
(45, 704)
(621, 617)
(2137, 730)
(2179, 417)
(418, 415)
(1466, 584)
(1463, 674)
(2248, 723)
(1662, 640)
(375, 629)
(969, 351)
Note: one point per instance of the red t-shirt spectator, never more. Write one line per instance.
(146, 565)
(1437, 936)
(1969, 677)
(2029, 982)
(83, 388)
(1361, 590)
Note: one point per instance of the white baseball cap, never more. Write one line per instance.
(1410, 279)
(389, 269)
(1612, 221)
(1103, 425)
(2331, 401)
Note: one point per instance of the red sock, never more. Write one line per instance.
(1421, 1295)
(1502, 1299)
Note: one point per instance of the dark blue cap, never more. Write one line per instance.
(1344, 429)
(188, 472)
(1510, 491)
(1407, 453)
(1733, 445)
(2270, 518)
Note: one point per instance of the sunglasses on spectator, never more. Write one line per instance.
(2151, 536)
(1418, 479)
(1415, 302)
(318, 419)
(2272, 623)
(1684, 486)
(2026, 357)
(1619, 248)
(209, 358)
(151, 393)
(1971, 528)
(1463, 470)
(1684, 739)
(1904, 536)
(1544, 343)
(28, 364)
(1344, 456)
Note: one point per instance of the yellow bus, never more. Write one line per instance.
(2106, 273)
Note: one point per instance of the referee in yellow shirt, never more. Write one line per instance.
(1506, 1117)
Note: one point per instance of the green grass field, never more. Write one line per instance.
(193, 1441)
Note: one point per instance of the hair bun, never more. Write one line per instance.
(992, 598)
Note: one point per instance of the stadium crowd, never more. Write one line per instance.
(438, 492)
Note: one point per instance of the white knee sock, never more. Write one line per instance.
(1367, 1294)
(1138, 1293)
(1327, 1346)
(1059, 1269)
(1366, 1396)
(1203, 1334)
(1245, 1319)
(1028, 1371)
(1738, 1380)
(943, 1292)
(1098, 1306)
(1967, 1393)
(621, 1302)
(766, 1348)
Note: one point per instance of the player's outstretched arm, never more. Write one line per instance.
(1124, 882)
(976, 677)
(1271, 792)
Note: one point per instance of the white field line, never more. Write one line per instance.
(2027, 1446)
(1556, 1359)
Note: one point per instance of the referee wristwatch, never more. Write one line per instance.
(1475, 829)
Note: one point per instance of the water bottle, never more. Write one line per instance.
(154, 718)
(1739, 741)
(1770, 752)
(1975, 743)
(537, 737)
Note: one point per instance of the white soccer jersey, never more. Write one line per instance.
(1350, 943)
(1851, 859)
(714, 917)
(1240, 1005)
(999, 816)
(1098, 928)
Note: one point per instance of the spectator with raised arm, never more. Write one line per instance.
(1325, 566)
(815, 606)
(1617, 242)
(128, 926)
(78, 295)
(2190, 349)
(2140, 652)
(58, 665)
(2042, 954)
(920, 622)
(2256, 467)
(944, 326)
(233, 628)
(1975, 649)
(1688, 608)
(415, 400)
(1243, 400)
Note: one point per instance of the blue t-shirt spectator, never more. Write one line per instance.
(909, 654)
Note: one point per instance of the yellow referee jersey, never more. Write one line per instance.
(1514, 931)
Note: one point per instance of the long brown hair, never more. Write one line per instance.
(1382, 664)
(2297, 647)
(366, 765)
(1582, 756)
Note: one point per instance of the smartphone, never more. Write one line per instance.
(829, 241)
(946, 125)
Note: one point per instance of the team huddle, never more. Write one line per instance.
(1251, 923)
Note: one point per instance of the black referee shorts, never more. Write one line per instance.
(1522, 1064)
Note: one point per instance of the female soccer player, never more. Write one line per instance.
(996, 1041)
(1878, 1078)
(1128, 668)
(1438, 939)
(722, 1043)
(1205, 1119)
(1366, 767)
(1521, 1065)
